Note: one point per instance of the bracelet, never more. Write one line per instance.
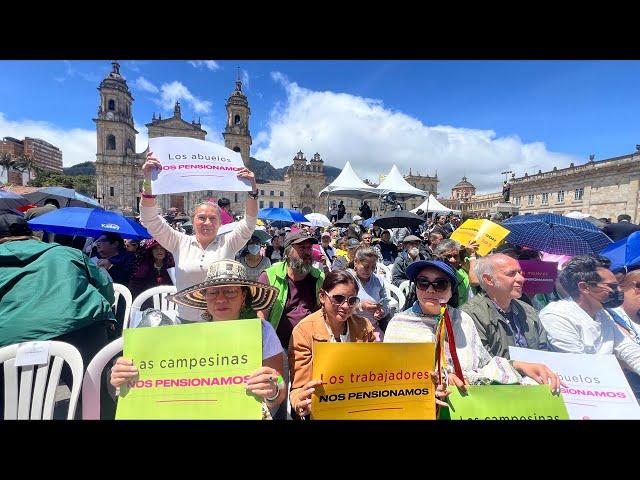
(146, 184)
(278, 382)
(144, 195)
(254, 194)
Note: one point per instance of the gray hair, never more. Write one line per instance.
(287, 251)
(366, 252)
(206, 203)
(486, 266)
(446, 245)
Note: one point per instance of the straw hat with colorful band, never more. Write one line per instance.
(225, 273)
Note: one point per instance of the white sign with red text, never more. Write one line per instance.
(596, 388)
(190, 165)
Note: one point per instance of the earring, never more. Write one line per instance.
(206, 316)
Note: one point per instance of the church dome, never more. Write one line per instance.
(463, 184)
(238, 97)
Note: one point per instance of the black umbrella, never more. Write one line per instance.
(398, 219)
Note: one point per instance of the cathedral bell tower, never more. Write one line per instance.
(116, 168)
(236, 133)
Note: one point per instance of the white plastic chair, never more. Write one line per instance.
(394, 291)
(404, 287)
(24, 399)
(91, 384)
(119, 289)
(382, 269)
(160, 301)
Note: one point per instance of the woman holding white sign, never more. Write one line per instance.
(194, 253)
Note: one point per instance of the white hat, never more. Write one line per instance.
(356, 218)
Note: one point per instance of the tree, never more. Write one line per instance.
(7, 162)
(25, 163)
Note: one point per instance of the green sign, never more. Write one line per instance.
(192, 371)
(506, 402)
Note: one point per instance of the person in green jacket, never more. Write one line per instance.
(502, 320)
(298, 282)
(50, 292)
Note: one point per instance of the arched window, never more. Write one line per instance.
(236, 149)
(112, 105)
(111, 142)
(236, 120)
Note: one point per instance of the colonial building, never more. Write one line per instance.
(606, 188)
(480, 206)
(118, 172)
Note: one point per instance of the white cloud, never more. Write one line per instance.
(72, 72)
(343, 127)
(210, 64)
(245, 78)
(144, 84)
(77, 145)
(170, 92)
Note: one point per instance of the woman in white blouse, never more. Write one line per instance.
(194, 253)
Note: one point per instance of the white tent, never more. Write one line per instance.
(349, 184)
(431, 204)
(395, 182)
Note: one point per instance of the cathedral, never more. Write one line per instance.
(118, 166)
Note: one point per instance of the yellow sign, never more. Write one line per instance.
(485, 232)
(374, 381)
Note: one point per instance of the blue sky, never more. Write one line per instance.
(473, 118)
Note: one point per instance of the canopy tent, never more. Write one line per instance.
(431, 204)
(395, 182)
(348, 184)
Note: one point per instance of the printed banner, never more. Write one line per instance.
(539, 277)
(190, 165)
(192, 371)
(506, 402)
(373, 381)
(596, 387)
(485, 232)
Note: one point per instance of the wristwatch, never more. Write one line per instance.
(254, 194)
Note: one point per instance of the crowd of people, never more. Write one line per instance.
(311, 285)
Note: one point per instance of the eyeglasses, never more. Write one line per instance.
(338, 300)
(229, 293)
(439, 285)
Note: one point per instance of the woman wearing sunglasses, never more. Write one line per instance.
(334, 322)
(436, 285)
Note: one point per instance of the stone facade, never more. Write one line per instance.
(606, 188)
(306, 179)
(118, 173)
(275, 194)
(480, 206)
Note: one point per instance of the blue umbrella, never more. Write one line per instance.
(88, 222)
(66, 197)
(624, 254)
(369, 221)
(555, 234)
(284, 215)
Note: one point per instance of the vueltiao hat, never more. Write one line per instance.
(221, 274)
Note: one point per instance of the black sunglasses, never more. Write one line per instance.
(439, 285)
(338, 300)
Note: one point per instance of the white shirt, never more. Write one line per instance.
(192, 261)
(570, 329)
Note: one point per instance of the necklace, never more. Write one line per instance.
(159, 278)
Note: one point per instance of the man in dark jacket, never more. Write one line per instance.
(365, 210)
(501, 319)
(410, 254)
(620, 230)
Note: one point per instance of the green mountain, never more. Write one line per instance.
(265, 171)
(86, 168)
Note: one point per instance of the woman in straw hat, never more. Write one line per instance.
(224, 295)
